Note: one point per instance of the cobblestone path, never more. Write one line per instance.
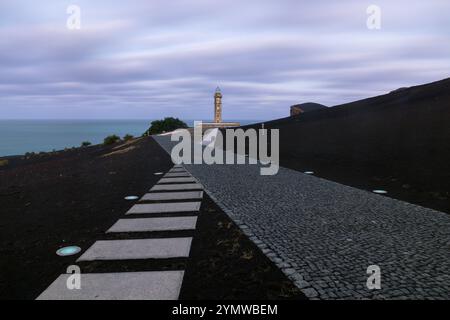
(325, 235)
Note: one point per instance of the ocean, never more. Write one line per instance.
(20, 136)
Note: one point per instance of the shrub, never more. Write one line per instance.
(111, 139)
(165, 125)
(86, 144)
(127, 137)
(3, 162)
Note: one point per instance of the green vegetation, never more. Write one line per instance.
(127, 137)
(86, 144)
(111, 139)
(3, 162)
(166, 125)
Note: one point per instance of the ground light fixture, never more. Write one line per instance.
(68, 251)
(379, 191)
(308, 172)
(158, 173)
(130, 198)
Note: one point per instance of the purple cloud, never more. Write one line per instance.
(152, 59)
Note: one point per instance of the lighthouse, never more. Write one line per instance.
(217, 122)
(217, 106)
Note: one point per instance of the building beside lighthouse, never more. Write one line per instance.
(217, 122)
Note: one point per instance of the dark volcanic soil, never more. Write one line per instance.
(68, 199)
(399, 142)
(73, 197)
(225, 264)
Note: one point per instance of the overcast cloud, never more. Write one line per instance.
(150, 59)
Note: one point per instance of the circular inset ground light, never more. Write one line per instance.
(131, 198)
(308, 172)
(380, 191)
(68, 251)
(158, 173)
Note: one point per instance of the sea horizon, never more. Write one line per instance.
(19, 136)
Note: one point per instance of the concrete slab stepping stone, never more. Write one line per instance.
(172, 196)
(174, 187)
(177, 180)
(154, 224)
(164, 207)
(138, 249)
(176, 174)
(152, 285)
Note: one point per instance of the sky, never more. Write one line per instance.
(147, 59)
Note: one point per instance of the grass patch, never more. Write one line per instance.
(120, 151)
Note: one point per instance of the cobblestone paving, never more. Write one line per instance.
(324, 235)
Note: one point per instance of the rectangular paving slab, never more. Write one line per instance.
(164, 207)
(177, 171)
(177, 180)
(172, 196)
(152, 285)
(154, 224)
(138, 249)
(176, 174)
(174, 187)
